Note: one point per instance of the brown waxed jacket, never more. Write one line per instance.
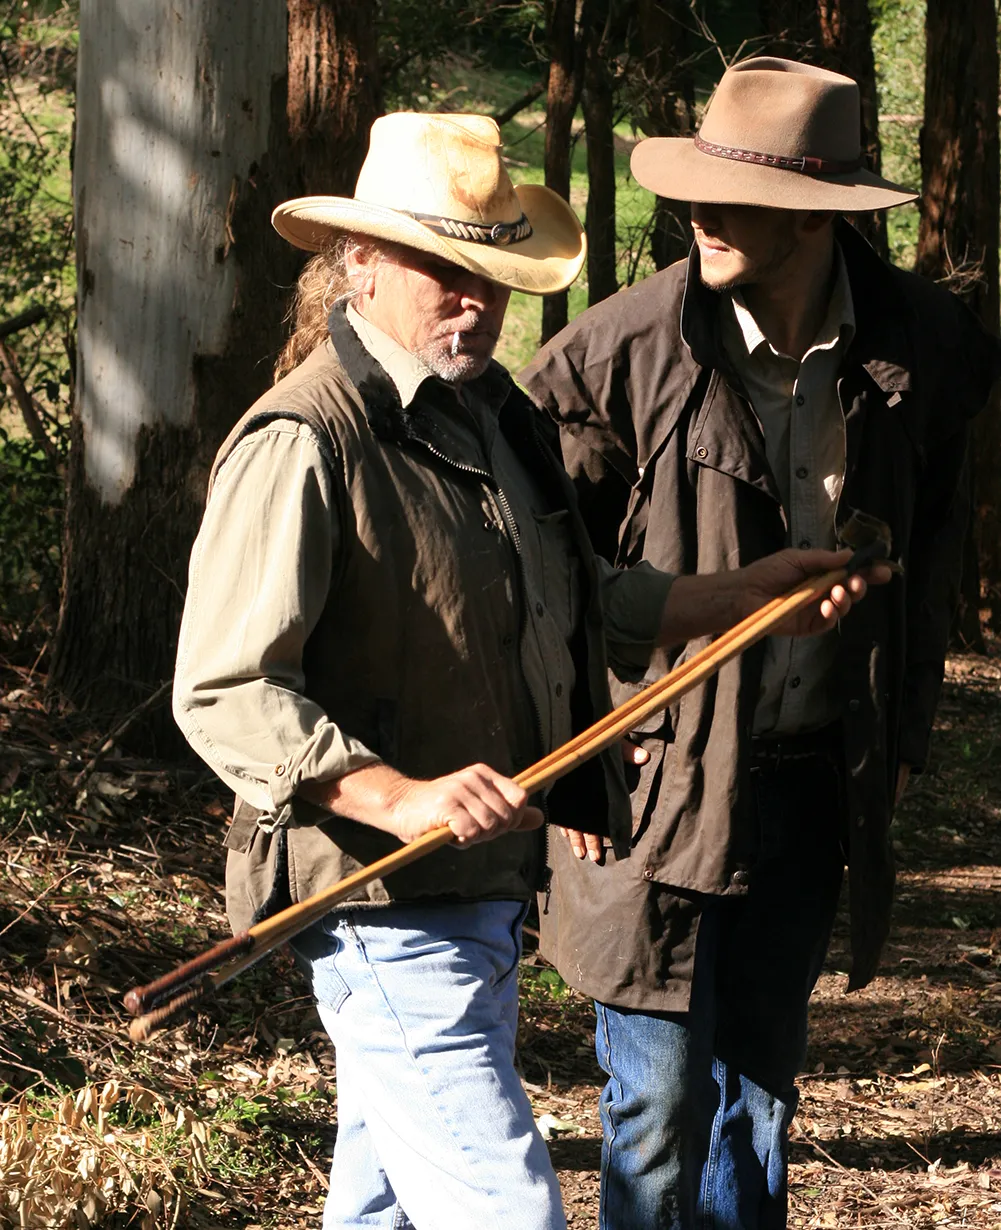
(669, 464)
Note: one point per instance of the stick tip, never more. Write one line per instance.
(140, 1029)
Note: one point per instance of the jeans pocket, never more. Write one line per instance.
(329, 988)
(516, 938)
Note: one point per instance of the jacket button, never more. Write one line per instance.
(488, 525)
(647, 873)
(804, 543)
(740, 877)
(702, 452)
(854, 706)
(279, 770)
(860, 822)
(559, 689)
(802, 472)
(795, 681)
(539, 609)
(800, 399)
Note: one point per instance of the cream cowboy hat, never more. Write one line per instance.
(437, 183)
(776, 133)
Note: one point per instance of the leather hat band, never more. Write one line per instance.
(498, 234)
(805, 165)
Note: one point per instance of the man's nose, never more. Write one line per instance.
(705, 217)
(478, 293)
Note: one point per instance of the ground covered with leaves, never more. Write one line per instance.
(112, 875)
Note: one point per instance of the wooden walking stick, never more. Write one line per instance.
(159, 1002)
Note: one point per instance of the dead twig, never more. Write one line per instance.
(850, 1174)
(36, 1001)
(123, 727)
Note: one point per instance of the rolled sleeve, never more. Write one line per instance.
(258, 581)
(632, 602)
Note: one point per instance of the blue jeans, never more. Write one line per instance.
(698, 1104)
(434, 1129)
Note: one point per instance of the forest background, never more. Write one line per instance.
(129, 344)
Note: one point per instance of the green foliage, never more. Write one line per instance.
(420, 42)
(898, 45)
(37, 67)
(30, 532)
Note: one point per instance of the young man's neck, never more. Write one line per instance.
(790, 306)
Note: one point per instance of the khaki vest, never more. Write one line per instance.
(415, 653)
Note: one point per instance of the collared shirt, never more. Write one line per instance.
(239, 686)
(797, 405)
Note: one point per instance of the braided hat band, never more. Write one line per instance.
(499, 234)
(806, 165)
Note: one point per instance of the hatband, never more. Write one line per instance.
(806, 164)
(500, 234)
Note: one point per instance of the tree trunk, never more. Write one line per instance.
(333, 91)
(184, 144)
(846, 33)
(668, 109)
(958, 243)
(567, 38)
(598, 99)
(836, 34)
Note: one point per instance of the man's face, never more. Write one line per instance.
(743, 245)
(446, 316)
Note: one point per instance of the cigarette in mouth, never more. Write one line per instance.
(455, 343)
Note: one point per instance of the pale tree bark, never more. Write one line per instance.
(835, 34)
(958, 244)
(665, 72)
(183, 147)
(598, 104)
(567, 31)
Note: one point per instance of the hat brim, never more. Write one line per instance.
(672, 167)
(546, 262)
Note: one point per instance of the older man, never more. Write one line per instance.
(393, 606)
(752, 396)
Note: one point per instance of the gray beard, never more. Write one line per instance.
(453, 369)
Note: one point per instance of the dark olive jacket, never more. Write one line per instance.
(669, 463)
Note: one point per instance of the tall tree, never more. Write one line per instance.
(567, 30)
(598, 104)
(665, 107)
(836, 34)
(958, 243)
(189, 131)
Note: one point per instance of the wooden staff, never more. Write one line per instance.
(179, 989)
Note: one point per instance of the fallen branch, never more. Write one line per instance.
(120, 730)
(32, 419)
(30, 316)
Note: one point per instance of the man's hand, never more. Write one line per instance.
(588, 845)
(476, 803)
(705, 604)
(777, 574)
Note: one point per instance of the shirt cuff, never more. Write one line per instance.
(633, 601)
(327, 754)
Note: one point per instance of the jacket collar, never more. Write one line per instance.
(880, 344)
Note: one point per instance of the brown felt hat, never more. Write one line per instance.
(776, 133)
(438, 183)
